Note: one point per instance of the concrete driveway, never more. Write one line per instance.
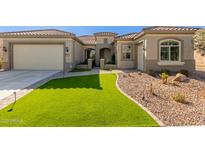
(11, 81)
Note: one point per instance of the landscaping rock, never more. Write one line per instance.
(180, 77)
(202, 93)
(161, 103)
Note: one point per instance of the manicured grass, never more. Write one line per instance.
(76, 101)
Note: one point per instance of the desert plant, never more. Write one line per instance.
(178, 97)
(165, 71)
(151, 90)
(184, 72)
(164, 77)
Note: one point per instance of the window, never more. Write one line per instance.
(126, 52)
(170, 50)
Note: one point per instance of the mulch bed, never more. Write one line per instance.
(161, 103)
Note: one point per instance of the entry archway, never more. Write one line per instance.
(105, 53)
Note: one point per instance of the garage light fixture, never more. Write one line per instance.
(67, 50)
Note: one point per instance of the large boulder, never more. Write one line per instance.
(202, 93)
(180, 77)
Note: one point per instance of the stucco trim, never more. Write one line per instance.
(174, 63)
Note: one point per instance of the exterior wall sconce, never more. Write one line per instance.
(143, 47)
(67, 51)
(4, 49)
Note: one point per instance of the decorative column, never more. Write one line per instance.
(102, 63)
(90, 62)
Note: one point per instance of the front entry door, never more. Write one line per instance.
(140, 58)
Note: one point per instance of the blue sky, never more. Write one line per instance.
(78, 30)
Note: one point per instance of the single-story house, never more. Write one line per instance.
(155, 48)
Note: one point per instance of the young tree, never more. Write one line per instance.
(199, 41)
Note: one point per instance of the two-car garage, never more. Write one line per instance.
(48, 49)
(38, 56)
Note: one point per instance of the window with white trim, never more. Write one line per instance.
(126, 52)
(170, 50)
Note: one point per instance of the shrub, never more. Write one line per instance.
(179, 98)
(109, 62)
(184, 72)
(164, 77)
(165, 71)
(151, 72)
(84, 62)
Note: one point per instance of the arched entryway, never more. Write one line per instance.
(105, 53)
(89, 53)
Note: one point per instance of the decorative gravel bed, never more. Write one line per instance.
(161, 103)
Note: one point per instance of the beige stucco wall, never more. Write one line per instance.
(152, 51)
(100, 39)
(78, 52)
(69, 58)
(153, 42)
(125, 64)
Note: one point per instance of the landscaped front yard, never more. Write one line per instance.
(160, 98)
(76, 101)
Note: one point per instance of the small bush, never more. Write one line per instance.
(184, 72)
(84, 62)
(165, 71)
(151, 72)
(164, 77)
(179, 98)
(110, 62)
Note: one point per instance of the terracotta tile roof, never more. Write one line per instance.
(171, 28)
(105, 34)
(87, 39)
(129, 36)
(38, 33)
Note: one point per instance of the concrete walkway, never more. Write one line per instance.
(92, 72)
(20, 82)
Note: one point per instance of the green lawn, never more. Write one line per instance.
(76, 101)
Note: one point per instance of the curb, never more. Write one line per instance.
(140, 105)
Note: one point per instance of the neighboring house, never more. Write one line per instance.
(153, 48)
(200, 60)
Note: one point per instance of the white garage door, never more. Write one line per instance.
(38, 57)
